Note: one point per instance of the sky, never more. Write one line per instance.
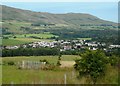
(104, 10)
(59, 0)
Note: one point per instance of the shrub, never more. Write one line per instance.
(48, 67)
(58, 63)
(11, 63)
(44, 60)
(92, 64)
(113, 60)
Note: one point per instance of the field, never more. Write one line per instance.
(11, 74)
(84, 38)
(7, 42)
(18, 41)
(15, 26)
(26, 38)
(41, 35)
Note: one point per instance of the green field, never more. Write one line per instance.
(11, 74)
(17, 41)
(15, 26)
(21, 39)
(84, 38)
(42, 35)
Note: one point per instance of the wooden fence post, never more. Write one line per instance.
(65, 79)
(12, 83)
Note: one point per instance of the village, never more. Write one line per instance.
(65, 45)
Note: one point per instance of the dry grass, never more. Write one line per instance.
(67, 63)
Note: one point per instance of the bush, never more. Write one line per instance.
(48, 67)
(11, 63)
(44, 60)
(58, 63)
(113, 60)
(92, 64)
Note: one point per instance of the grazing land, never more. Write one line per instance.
(55, 76)
(26, 38)
(42, 35)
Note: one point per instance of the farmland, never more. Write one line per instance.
(26, 38)
(42, 35)
(11, 74)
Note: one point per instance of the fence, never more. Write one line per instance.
(31, 64)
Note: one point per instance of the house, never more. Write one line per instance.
(67, 47)
(12, 47)
(114, 46)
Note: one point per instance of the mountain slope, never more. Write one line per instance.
(10, 13)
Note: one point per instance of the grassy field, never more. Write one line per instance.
(51, 59)
(21, 39)
(84, 38)
(42, 35)
(15, 26)
(17, 41)
(11, 74)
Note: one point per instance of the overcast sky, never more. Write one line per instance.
(104, 10)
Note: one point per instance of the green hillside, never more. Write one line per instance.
(10, 13)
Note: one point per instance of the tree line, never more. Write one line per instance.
(29, 52)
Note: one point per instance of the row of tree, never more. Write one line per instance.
(30, 52)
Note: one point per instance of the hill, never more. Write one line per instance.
(10, 13)
(61, 26)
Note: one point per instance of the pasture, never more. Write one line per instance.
(41, 35)
(11, 73)
(56, 76)
(25, 38)
(17, 41)
(85, 38)
(14, 26)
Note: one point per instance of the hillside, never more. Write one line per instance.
(10, 13)
(64, 26)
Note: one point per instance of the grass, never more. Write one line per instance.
(34, 76)
(13, 74)
(17, 41)
(15, 26)
(51, 59)
(41, 35)
(84, 38)
(21, 39)
(12, 42)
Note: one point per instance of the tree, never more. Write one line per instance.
(58, 63)
(92, 64)
(59, 58)
(113, 60)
